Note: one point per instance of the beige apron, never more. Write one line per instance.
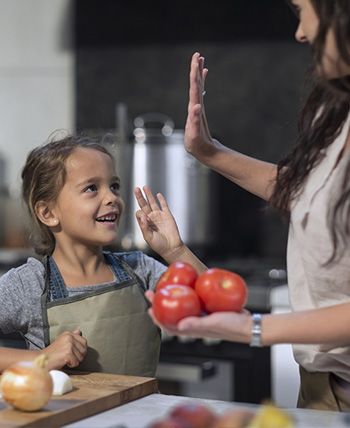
(113, 318)
(323, 391)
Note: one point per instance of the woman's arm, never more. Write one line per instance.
(256, 176)
(316, 326)
(325, 325)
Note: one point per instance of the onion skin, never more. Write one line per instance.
(27, 385)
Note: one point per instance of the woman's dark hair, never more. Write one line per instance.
(44, 175)
(321, 121)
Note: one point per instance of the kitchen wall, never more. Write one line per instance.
(36, 89)
(138, 53)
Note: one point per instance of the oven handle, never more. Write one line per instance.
(186, 370)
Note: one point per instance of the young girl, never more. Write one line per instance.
(80, 305)
(314, 184)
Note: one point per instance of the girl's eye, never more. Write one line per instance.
(115, 186)
(91, 188)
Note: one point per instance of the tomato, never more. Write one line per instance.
(221, 290)
(174, 302)
(194, 414)
(178, 273)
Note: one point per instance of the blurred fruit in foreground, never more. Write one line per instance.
(168, 422)
(194, 415)
(238, 418)
(198, 415)
(271, 416)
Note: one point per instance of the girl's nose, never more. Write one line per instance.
(110, 198)
(300, 35)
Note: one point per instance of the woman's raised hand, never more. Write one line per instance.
(197, 135)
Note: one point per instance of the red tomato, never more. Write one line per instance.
(194, 414)
(178, 273)
(174, 302)
(221, 290)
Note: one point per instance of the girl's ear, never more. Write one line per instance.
(45, 214)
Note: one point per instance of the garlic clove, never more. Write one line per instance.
(62, 383)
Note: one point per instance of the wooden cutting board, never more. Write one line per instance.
(92, 393)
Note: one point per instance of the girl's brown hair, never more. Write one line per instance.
(321, 121)
(43, 176)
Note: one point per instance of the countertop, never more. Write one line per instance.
(140, 413)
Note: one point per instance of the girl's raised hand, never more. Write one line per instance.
(157, 224)
(197, 134)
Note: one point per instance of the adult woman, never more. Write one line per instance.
(313, 184)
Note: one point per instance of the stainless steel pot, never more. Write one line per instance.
(156, 156)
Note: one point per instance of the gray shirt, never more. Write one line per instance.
(21, 289)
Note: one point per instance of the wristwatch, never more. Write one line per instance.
(256, 330)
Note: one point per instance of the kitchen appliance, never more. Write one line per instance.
(154, 155)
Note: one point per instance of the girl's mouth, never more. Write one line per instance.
(110, 218)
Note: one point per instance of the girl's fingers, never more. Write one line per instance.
(151, 199)
(143, 204)
(162, 202)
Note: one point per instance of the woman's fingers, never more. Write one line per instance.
(197, 79)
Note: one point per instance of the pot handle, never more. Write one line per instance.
(160, 118)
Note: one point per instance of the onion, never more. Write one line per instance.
(62, 383)
(27, 385)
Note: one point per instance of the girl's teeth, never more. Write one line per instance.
(107, 218)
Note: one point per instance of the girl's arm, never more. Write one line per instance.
(160, 230)
(256, 176)
(68, 349)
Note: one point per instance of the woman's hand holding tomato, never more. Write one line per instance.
(233, 326)
(222, 295)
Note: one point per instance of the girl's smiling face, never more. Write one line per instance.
(89, 206)
(332, 65)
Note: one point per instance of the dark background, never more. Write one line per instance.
(138, 53)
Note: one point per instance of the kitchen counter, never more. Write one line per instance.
(140, 413)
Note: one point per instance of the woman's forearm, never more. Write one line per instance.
(325, 325)
(257, 177)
